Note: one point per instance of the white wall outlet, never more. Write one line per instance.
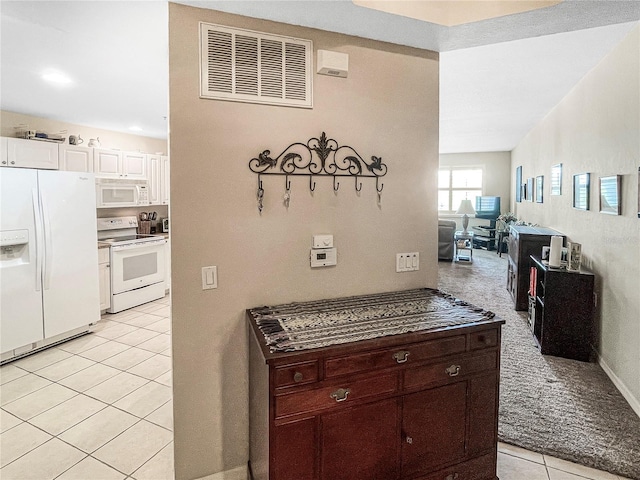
(209, 277)
(407, 262)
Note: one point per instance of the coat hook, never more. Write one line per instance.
(287, 191)
(379, 190)
(287, 183)
(312, 184)
(336, 186)
(358, 189)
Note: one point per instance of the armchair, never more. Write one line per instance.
(446, 233)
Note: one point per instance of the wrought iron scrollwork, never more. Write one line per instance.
(318, 157)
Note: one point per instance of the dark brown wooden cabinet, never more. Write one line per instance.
(522, 242)
(561, 311)
(419, 406)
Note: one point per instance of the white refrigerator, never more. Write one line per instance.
(48, 258)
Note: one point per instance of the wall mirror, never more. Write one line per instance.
(539, 188)
(581, 191)
(556, 179)
(610, 195)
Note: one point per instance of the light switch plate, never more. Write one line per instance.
(209, 277)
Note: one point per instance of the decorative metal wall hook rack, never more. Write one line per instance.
(318, 157)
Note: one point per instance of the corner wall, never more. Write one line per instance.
(596, 130)
(388, 107)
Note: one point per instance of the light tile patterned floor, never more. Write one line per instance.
(100, 407)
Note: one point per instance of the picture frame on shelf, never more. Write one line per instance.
(539, 188)
(519, 189)
(610, 195)
(581, 184)
(556, 179)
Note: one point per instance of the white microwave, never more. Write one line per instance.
(115, 192)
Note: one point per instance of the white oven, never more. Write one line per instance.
(137, 265)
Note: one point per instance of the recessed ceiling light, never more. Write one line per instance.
(56, 77)
(135, 128)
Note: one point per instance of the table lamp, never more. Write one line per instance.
(465, 209)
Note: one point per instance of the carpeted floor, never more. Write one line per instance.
(564, 408)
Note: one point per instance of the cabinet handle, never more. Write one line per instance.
(401, 357)
(13, 162)
(409, 440)
(340, 395)
(297, 377)
(452, 476)
(453, 370)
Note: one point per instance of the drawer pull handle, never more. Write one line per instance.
(453, 370)
(409, 440)
(297, 377)
(340, 395)
(401, 357)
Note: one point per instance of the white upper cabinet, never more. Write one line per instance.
(3, 152)
(134, 165)
(164, 180)
(107, 163)
(158, 173)
(117, 164)
(153, 168)
(30, 154)
(75, 158)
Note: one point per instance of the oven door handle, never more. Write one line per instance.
(131, 246)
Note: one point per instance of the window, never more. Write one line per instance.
(457, 183)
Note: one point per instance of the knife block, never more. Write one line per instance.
(144, 227)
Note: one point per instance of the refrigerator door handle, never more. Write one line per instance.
(37, 214)
(48, 247)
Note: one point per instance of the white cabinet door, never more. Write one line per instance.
(153, 168)
(134, 165)
(164, 180)
(75, 158)
(3, 152)
(32, 154)
(104, 272)
(107, 163)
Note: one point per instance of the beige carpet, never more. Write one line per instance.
(551, 405)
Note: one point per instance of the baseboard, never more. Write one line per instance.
(239, 473)
(634, 402)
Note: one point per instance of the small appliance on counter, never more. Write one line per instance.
(165, 225)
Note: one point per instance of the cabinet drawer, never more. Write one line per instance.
(485, 339)
(337, 394)
(449, 370)
(481, 468)
(406, 354)
(296, 374)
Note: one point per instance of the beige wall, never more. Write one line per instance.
(108, 138)
(496, 178)
(388, 107)
(596, 129)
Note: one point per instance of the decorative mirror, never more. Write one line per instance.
(610, 195)
(556, 179)
(581, 191)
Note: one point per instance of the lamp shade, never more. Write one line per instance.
(466, 208)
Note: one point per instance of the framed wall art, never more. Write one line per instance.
(581, 191)
(610, 195)
(530, 190)
(519, 185)
(556, 179)
(539, 188)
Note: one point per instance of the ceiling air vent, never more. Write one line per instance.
(245, 66)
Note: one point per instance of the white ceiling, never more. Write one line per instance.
(499, 77)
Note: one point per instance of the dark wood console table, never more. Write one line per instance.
(561, 310)
(420, 405)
